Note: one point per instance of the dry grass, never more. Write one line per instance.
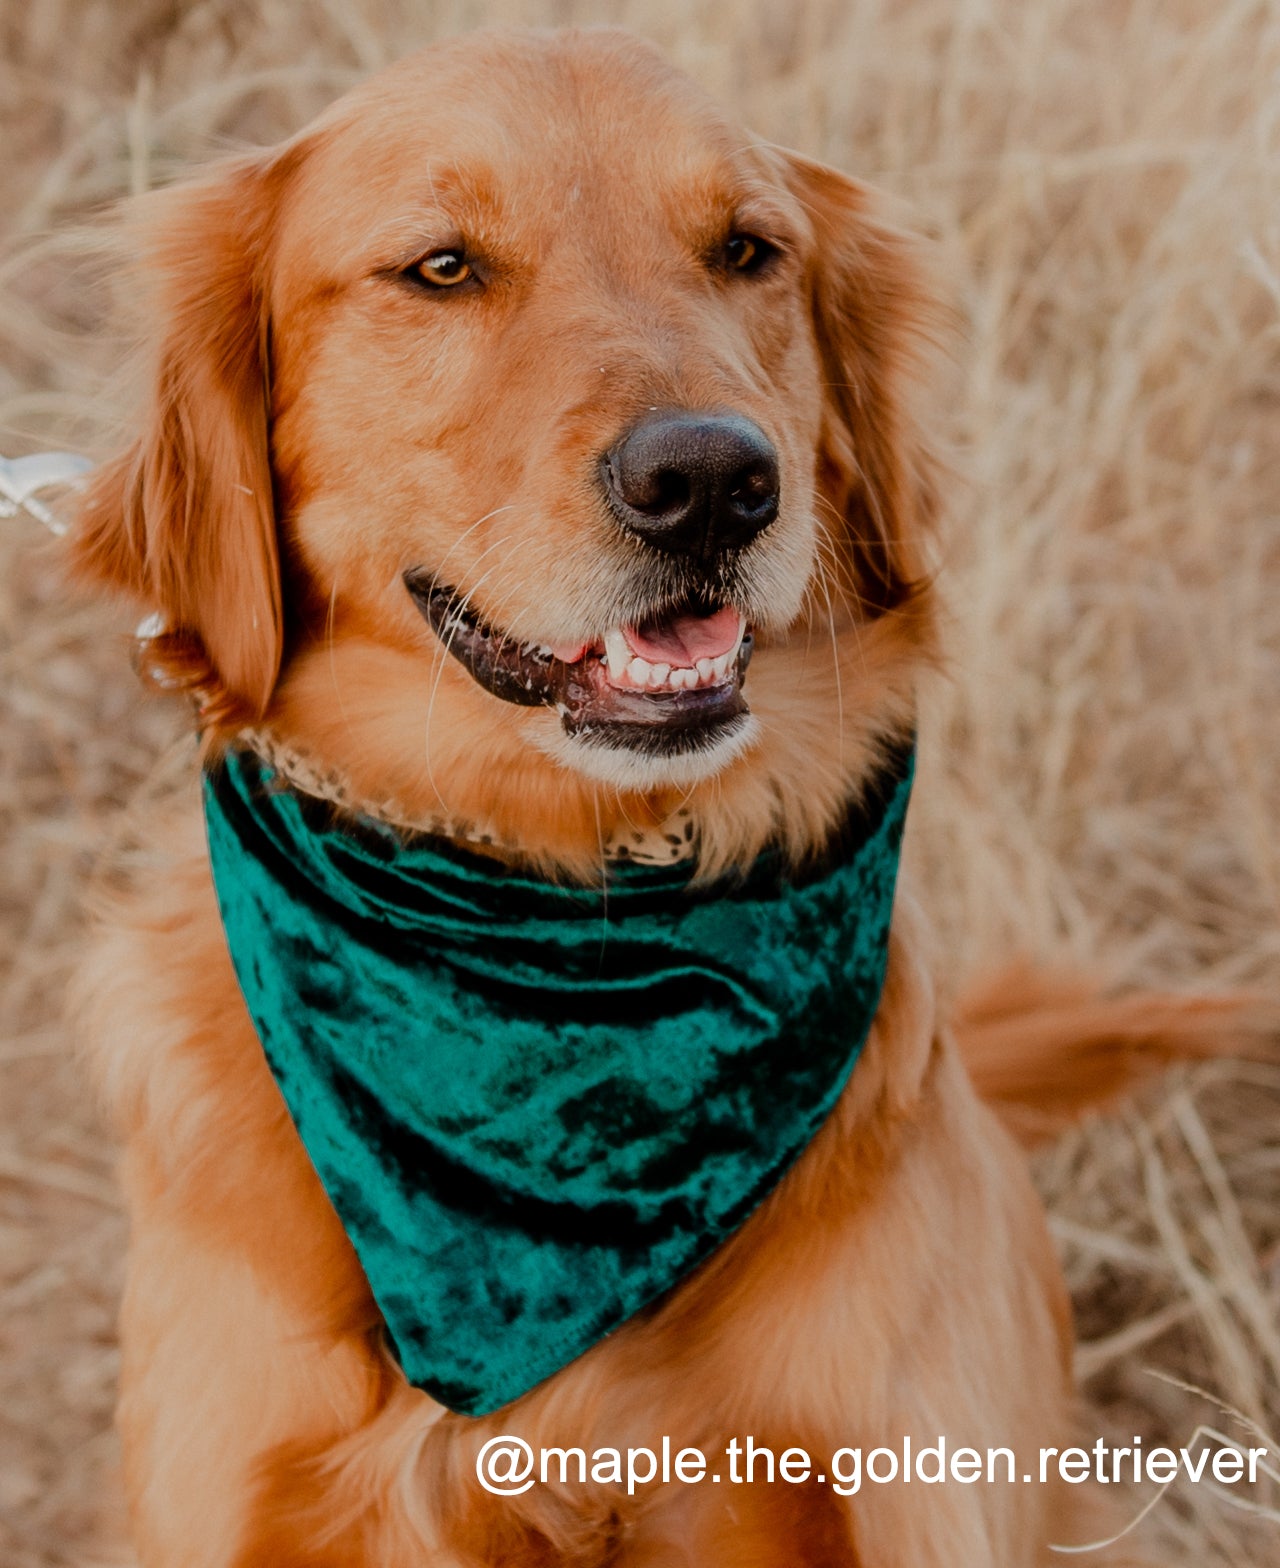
(1102, 772)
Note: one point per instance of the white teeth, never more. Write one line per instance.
(628, 668)
(617, 654)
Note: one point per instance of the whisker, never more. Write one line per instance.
(330, 619)
(835, 662)
(442, 656)
(438, 570)
(855, 610)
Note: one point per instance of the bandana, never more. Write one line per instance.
(535, 1107)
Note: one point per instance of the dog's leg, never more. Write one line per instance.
(215, 1373)
(246, 1326)
(746, 1526)
(900, 1283)
(947, 1319)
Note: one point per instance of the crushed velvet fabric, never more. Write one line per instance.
(535, 1107)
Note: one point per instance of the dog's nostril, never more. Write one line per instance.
(755, 487)
(693, 484)
(660, 493)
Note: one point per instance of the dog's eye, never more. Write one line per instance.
(747, 252)
(444, 268)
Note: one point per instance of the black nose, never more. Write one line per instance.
(693, 484)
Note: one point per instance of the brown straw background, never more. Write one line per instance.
(1101, 770)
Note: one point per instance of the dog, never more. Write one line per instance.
(492, 424)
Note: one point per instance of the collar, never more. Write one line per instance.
(536, 1107)
(670, 841)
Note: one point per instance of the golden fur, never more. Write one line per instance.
(313, 430)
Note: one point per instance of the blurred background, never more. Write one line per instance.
(1101, 762)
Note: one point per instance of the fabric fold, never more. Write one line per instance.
(536, 1107)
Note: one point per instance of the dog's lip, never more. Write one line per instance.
(608, 685)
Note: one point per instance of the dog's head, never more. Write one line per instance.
(502, 416)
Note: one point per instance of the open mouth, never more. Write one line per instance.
(668, 684)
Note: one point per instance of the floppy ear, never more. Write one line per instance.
(184, 519)
(873, 315)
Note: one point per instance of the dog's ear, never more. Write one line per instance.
(184, 518)
(873, 315)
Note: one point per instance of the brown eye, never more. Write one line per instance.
(444, 267)
(742, 252)
(747, 253)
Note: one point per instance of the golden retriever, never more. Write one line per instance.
(458, 327)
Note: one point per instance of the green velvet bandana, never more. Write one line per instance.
(536, 1107)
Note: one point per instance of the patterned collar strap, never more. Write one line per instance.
(536, 1107)
(670, 842)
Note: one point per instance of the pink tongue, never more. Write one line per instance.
(686, 639)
